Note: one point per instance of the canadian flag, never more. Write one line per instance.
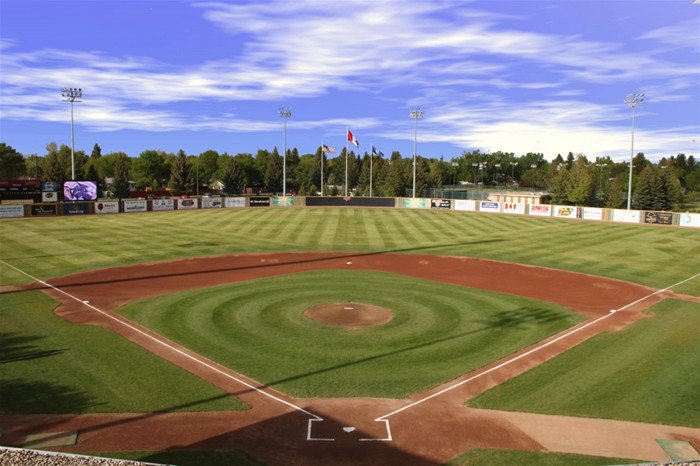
(352, 139)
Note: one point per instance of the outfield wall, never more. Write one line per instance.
(596, 214)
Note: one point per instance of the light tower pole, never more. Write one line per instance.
(285, 112)
(72, 95)
(632, 100)
(416, 114)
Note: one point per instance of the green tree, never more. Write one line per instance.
(233, 177)
(394, 182)
(615, 193)
(96, 152)
(122, 173)
(207, 162)
(579, 187)
(151, 168)
(12, 164)
(647, 189)
(181, 181)
(273, 172)
(558, 183)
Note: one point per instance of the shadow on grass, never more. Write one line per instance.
(17, 347)
(20, 396)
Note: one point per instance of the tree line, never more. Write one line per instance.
(573, 179)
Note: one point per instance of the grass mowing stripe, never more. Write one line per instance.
(483, 456)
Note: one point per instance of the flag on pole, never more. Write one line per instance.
(377, 152)
(352, 139)
(327, 150)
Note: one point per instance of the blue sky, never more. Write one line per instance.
(516, 76)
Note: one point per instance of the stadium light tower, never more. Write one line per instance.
(72, 95)
(285, 112)
(416, 114)
(632, 100)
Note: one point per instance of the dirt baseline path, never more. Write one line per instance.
(430, 432)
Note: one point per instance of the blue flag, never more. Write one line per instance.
(377, 152)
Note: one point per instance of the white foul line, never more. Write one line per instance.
(199, 361)
(459, 384)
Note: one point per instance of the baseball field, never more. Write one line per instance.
(350, 335)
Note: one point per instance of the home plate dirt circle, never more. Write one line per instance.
(349, 315)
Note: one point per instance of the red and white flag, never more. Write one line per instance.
(352, 139)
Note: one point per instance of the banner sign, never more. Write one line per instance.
(626, 216)
(565, 211)
(162, 204)
(17, 201)
(513, 208)
(414, 203)
(49, 186)
(488, 206)
(11, 211)
(79, 191)
(107, 207)
(211, 202)
(465, 204)
(49, 196)
(136, 206)
(234, 202)
(440, 204)
(44, 209)
(187, 204)
(260, 201)
(592, 213)
(78, 208)
(541, 210)
(283, 201)
(689, 220)
(348, 201)
(658, 218)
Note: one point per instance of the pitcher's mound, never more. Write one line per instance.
(349, 315)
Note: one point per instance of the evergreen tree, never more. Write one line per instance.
(614, 193)
(96, 152)
(558, 183)
(12, 164)
(273, 172)
(579, 187)
(647, 189)
(92, 175)
(394, 182)
(670, 189)
(570, 160)
(233, 177)
(122, 172)
(181, 180)
(422, 172)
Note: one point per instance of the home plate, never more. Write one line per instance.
(348, 429)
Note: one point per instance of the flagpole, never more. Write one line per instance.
(347, 130)
(371, 156)
(322, 154)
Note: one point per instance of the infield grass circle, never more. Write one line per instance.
(437, 332)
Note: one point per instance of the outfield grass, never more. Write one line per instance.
(50, 247)
(647, 372)
(51, 366)
(438, 331)
(515, 457)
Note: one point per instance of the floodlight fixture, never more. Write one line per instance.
(632, 100)
(416, 114)
(72, 95)
(285, 112)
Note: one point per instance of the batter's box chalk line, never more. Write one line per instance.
(348, 429)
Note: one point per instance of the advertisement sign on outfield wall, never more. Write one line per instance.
(162, 204)
(49, 196)
(465, 204)
(211, 202)
(414, 203)
(689, 220)
(257, 201)
(626, 216)
(658, 218)
(11, 211)
(282, 201)
(440, 204)
(541, 210)
(107, 207)
(42, 210)
(78, 208)
(565, 211)
(187, 204)
(513, 208)
(136, 206)
(79, 191)
(488, 206)
(234, 202)
(592, 213)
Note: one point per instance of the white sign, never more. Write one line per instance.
(465, 204)
(163, 204)
(11, 211)
(565, 211)
(592, 213)
(234, 202)
(211, 202)
(626, 216)
(488, 206)
(135, 206)
(689, 220)
(50, 196)
(187, 204)
(107, 207)
(541, 210)
(513, 208)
